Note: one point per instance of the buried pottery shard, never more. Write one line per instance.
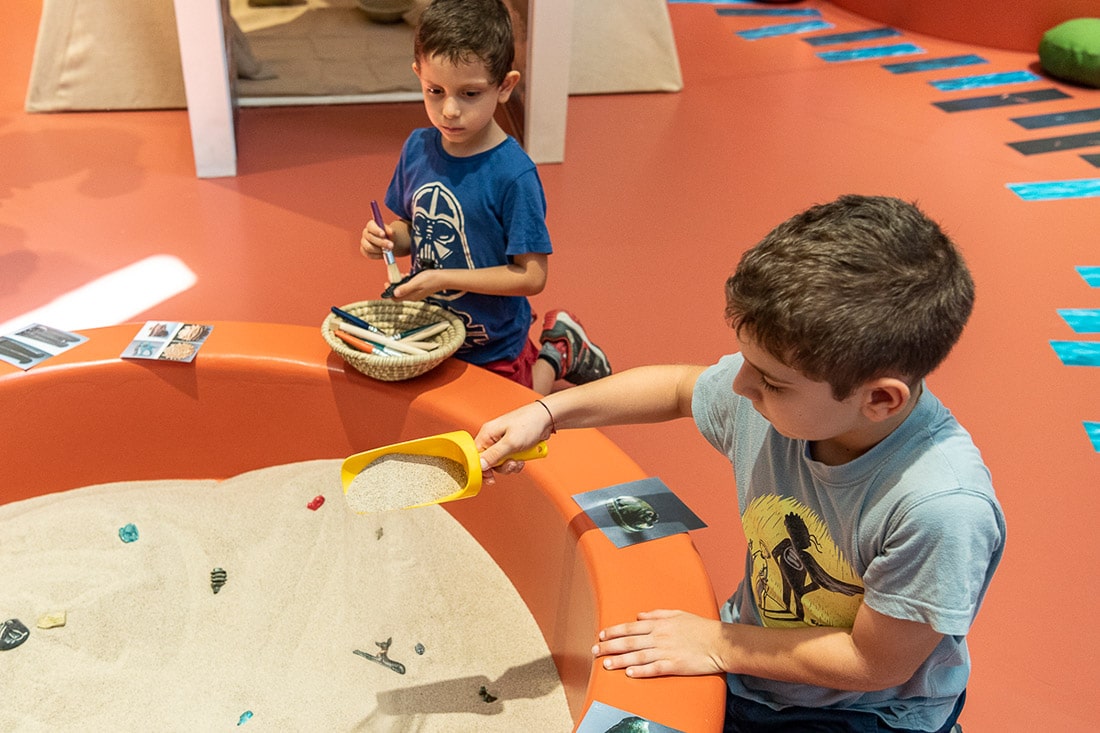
(381, 657)
(12, 634)
(52, 620)
(217, 579)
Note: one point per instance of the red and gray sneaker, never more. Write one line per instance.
(567, 347)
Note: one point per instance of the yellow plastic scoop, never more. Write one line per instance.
(418, 472)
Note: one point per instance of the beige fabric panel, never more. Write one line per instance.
(119, 54)
(90, 55)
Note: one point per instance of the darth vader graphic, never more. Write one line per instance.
(439, 231)
(439, 240)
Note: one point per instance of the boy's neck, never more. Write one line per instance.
(845, 448)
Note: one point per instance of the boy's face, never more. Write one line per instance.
(798, 407)
(461, 101)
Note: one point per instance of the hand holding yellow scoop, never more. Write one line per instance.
(365, 495)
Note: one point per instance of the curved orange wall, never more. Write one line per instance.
(264, 394)
(1016, 26)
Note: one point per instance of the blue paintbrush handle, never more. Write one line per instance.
(356, 321)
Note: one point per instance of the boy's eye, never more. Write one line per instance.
(769, 387)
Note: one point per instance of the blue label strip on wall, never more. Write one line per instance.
(984, 80)
(1055, 144)
(1035, 122)
(871, 52)
(1081, 320)
(784, 29)
(1090, 274)
(1078, 353)
(1092, 429)
(1001, 100)
(944, 62)
(1082, 188)
(738, 12)
(868, 35)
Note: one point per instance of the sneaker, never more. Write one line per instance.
(565, 345)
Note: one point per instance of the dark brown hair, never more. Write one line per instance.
(856, 289)
(464, 31)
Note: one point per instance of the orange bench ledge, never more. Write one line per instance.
(264, 394)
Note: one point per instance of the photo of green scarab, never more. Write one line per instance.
(633, 724)
(632, 514)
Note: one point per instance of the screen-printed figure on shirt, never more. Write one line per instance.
(799, 576)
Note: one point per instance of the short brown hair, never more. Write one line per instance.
(463, 31)
(852, 290)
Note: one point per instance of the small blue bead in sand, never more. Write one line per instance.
(128, 533)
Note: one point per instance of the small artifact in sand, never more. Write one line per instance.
(399, 480)
(12, 634)
(52, 620)
(382, 657)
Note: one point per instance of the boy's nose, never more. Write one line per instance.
(742, 385)
(450, 108)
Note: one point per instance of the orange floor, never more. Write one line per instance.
(657, 198)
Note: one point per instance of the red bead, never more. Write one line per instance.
(316, 503)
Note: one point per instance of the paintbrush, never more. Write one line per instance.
(380, 340)
(360, 345)
(392, 270)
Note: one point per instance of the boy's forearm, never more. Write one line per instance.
(502, 280)
(812, 656)
(642, 394)
(862, 659)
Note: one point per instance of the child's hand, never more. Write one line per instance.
(513, 432)
(663, 643)
(374, 240)
(421, 285)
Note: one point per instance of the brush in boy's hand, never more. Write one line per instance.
(392, 270)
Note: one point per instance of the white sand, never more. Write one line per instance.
(149, 646)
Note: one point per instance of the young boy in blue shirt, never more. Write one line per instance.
(871, 523)
(471, 208)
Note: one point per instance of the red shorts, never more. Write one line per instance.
(518, 370)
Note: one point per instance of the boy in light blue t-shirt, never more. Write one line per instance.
(871, 523)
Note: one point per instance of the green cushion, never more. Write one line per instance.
(1071, 51)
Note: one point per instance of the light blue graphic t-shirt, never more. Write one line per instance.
(912, 528)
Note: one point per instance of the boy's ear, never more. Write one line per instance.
(884, 398)
(508, 86)
(416, 68)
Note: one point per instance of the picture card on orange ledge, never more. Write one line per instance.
(168, 341)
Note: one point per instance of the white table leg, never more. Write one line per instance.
(206, 81)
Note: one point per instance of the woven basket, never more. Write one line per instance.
(393, 316)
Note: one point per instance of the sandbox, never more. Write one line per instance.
(262, 394)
